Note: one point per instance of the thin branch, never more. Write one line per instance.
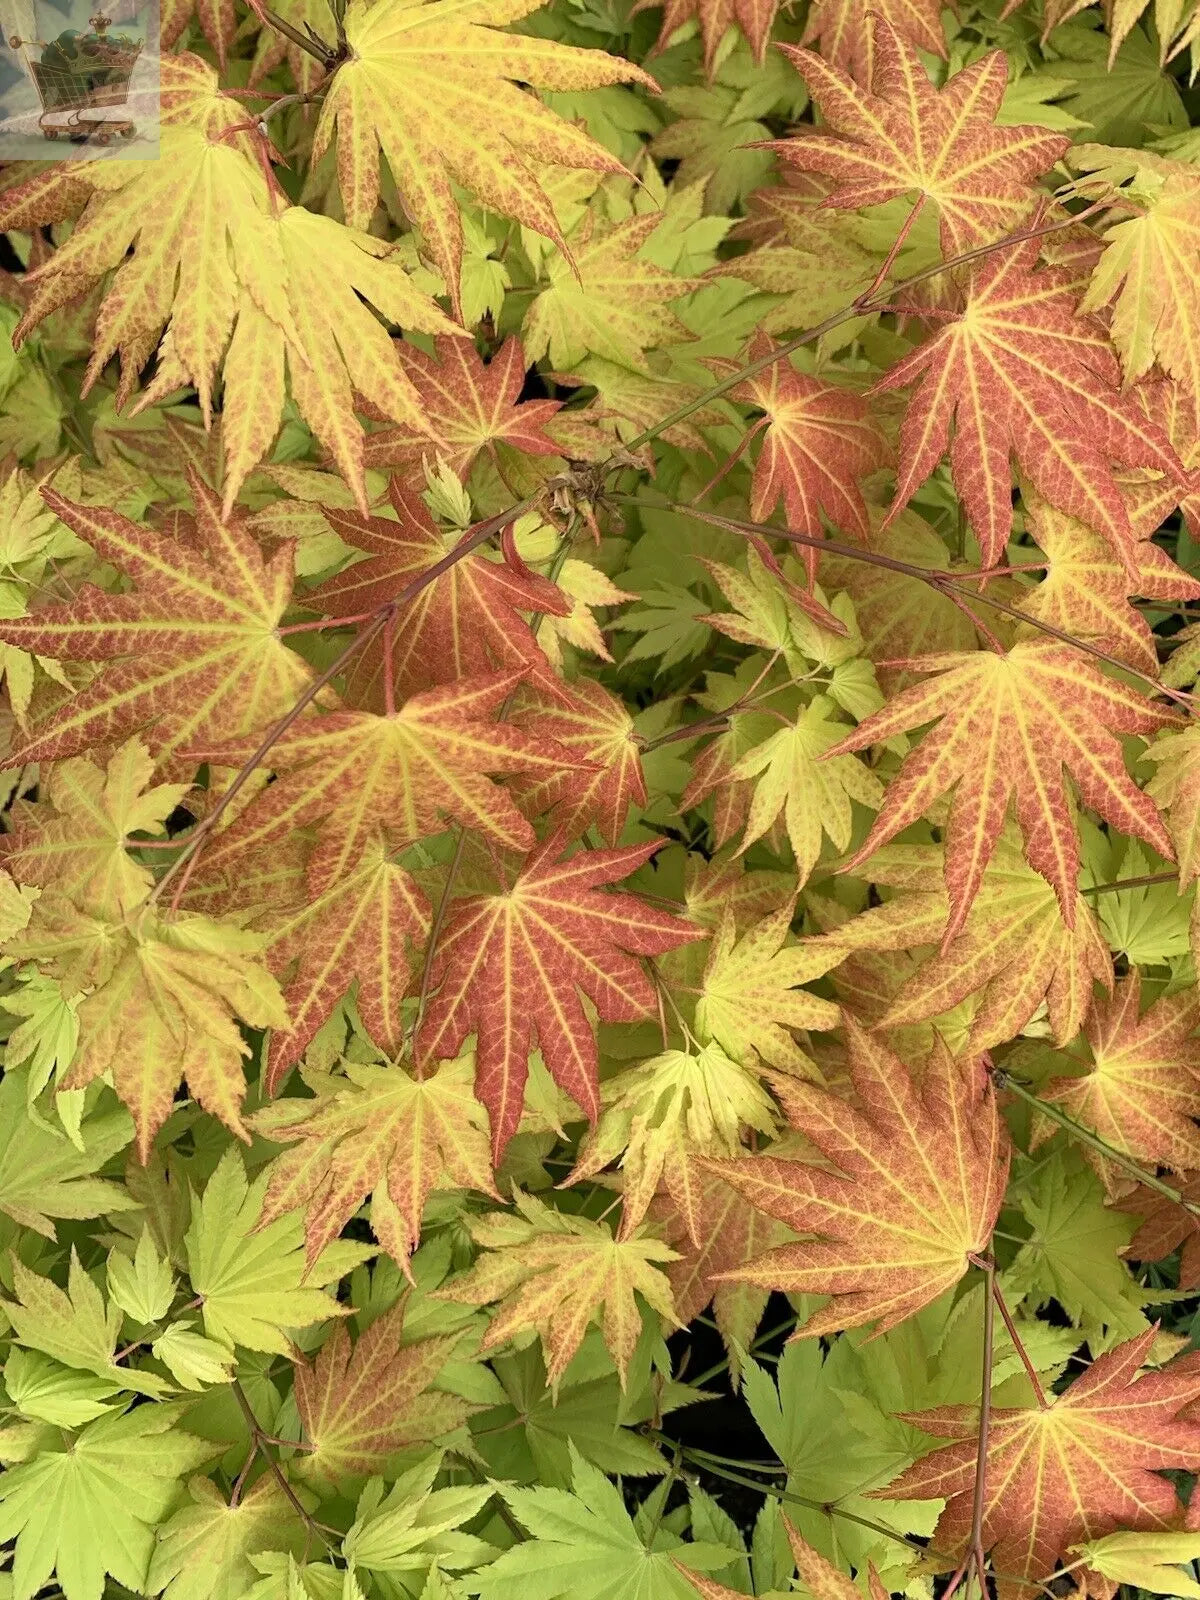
(975, 1550)
(259, 1446)
(947, 584)
(1131, 883)
(1018, 1344)
(1005, 1080)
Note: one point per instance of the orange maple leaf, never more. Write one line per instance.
(355, 771)
(1080, 1466)
(190, 655)
(917, 1178)
(819, 439)
(902, 135)
(732, 1232)
(356, 928)
(469, 406)
(1015, 952)
(464, 623)
(1141, 1091)
(1019, 372)
(754, 17)
(1008, 726)
(1087, 589)
(595, 726)
(556, 1273)
(510, 966)
(846, 37)
(377, 1132)
(1167, 1227)
(360, 1404)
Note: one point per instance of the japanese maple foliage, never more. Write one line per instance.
(600, 809)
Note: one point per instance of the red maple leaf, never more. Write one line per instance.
(902, 135)
(469, 406)
(466, 622)
(1019, 373)
(510, 967)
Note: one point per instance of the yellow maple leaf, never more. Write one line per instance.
(161, 1003)
(434, 89)
(556, 1274)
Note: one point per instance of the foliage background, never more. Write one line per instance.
(392, 1152)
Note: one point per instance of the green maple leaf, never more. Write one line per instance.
(1073, 1254)
(584, 1544)
(414, 1524)
(751, 998)
(204, 1551)
(88, 1505)
(73, 1326)
(43, 1174)
(250, 1278)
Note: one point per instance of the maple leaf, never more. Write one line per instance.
(583, 587)
(469, 407)
(659, 1116)
(1086, 589)
(1141, 1089)
(1079, 1467)
(162, 998)
(587, 1545)
(1015, 952)
(354, 928)
(1175, 789)
(1019, 372)
(383, 1134)
(754, 17)
(605, 776)
(44, 1174)
(464, 623)
(205, 250)
(918, 1181)
(846, 37)
(207, 1546)
(804, 772)
(607, 300)
(510, 966)
(1145, 272)
(191, 654)
(1009, 726)
(431, 87)
(750, 997)
(555, 1274)
(731, 1233)
(1167, 1227)
(360, 1404)
(902, 135)
(818, 440)
(76, 838)
(250, 1274)
(89, 1505)
(405, 770)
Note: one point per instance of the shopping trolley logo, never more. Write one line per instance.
(79, 80)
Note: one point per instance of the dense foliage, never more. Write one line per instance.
(601, 809)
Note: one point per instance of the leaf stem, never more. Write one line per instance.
(1018, 1344)
(975, 1551)
(1143, 882)
(259, 1446)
